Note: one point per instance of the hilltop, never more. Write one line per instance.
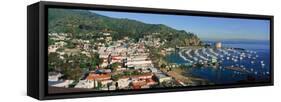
(81, 23)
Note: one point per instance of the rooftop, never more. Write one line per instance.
(94, 76)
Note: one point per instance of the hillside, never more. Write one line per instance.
(81, 22)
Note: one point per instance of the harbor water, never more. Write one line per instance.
(252, 58)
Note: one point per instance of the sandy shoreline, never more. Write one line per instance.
(178, 74)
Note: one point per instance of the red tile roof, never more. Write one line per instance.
(93, 76)
(143, 76)
(138, 84)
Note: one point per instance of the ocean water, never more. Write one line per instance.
(221, 75)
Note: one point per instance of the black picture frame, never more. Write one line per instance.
(37, 85)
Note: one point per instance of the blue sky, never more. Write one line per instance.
(207, 28)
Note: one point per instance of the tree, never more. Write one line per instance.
(99, 85)
(70, 45)
(115, 77)
(54, 62)
(83, 65)
(94, 60)
(114, 66)
(163, 65)
(73, 74)
(51, 42)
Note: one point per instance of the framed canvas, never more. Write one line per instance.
(86, 50)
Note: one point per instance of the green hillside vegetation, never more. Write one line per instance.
(86, 25)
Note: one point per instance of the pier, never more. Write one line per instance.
(237, 69)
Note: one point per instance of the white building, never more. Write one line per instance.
(53, 76)
(64, 83)
(218, 45)
(162, 77)
(123, 82)
(139, 63)
(86, 84)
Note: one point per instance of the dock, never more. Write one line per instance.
(237, 69)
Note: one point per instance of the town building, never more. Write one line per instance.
(61, 83)
(218, 44)
(162, 77)
(94, 76)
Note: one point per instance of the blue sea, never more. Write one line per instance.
(221, 75)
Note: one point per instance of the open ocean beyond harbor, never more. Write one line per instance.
(254, 61)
